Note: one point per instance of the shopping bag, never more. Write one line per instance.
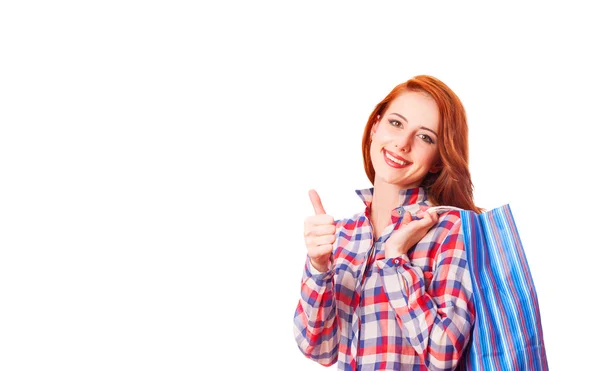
(507, 334)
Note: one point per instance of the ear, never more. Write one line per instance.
(375, 125)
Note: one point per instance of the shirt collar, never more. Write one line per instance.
(405, 196)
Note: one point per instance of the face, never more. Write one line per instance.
(404, 145)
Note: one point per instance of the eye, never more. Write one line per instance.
(395, 123)
(426, 138)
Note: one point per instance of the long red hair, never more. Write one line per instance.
(452, 185)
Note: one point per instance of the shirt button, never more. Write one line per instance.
(396, 261)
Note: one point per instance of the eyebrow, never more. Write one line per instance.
(422, 127)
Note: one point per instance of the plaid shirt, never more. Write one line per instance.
(412, 312)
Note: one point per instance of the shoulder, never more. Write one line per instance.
(449, 220)
(349, 223)
(447, 233)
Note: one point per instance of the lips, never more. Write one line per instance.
(395, 161)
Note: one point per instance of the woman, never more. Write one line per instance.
(389, 288)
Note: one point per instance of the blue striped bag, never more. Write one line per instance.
(507, 334)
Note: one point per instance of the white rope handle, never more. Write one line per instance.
(438, 209)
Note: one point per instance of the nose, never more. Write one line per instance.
(403, 142)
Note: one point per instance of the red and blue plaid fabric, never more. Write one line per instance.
(412, 312)
(507, 334)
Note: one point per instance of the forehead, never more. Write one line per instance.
(417, 107)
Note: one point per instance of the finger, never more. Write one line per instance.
(324, 240)
(417, 223)
(422, 210)
(429, 219)
(320, 251)
(316, 202)
(322, 219)
(320, 230)
(407, 218)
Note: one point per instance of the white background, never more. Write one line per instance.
(155, 159)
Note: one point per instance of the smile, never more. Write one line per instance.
(395, 161)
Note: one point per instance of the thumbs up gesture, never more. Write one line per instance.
(319, 234)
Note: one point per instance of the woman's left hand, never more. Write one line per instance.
(409, 233)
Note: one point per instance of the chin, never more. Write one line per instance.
(387, 178)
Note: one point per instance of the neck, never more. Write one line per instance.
(385, 199)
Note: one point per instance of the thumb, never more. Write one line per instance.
(316, 202)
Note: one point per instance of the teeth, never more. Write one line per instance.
(395, 159)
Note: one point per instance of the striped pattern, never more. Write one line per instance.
(507, 334)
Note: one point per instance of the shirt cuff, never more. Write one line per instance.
(312, 272)
(393, 262)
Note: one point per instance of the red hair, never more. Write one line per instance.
(452, 185)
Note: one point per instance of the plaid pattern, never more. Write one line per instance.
(412, 312)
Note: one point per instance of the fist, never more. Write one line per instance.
(319, 234)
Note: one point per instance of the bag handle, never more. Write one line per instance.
(442, 209)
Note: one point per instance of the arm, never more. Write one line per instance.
(436, 321)
(315, 320)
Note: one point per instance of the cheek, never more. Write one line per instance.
(376, 144)
(381, 138)
(431, 158)
(373, 151)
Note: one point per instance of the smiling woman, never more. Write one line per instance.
(389, 288)
(397, 286)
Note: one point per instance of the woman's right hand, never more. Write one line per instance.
(319, 234)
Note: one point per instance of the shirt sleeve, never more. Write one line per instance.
(437, 318)
(315, 320)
